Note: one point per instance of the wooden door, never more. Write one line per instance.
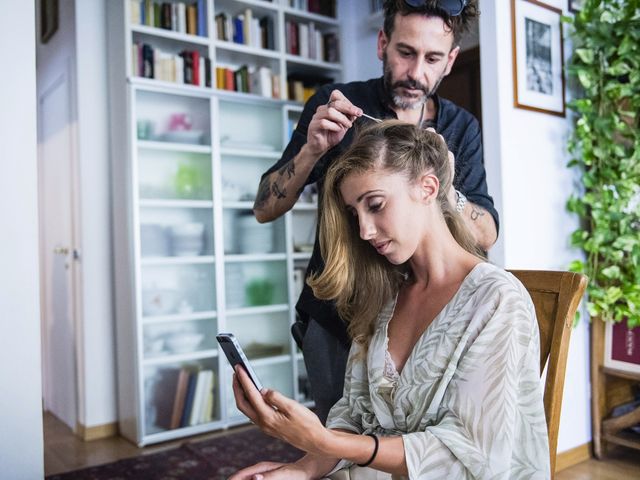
(462, 85)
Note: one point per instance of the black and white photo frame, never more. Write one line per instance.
(538, 65)
(575, 5)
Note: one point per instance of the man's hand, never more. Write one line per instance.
(330, 123)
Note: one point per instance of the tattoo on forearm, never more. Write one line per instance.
(476, 212)
(289, 168)
(264, 192)
(278, 191)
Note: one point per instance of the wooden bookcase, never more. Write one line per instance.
(190, 259)
(610, 387)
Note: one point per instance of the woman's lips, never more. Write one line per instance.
(381, 247)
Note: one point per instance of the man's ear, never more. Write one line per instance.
(451, 58)
(429, 187)
(383, 41)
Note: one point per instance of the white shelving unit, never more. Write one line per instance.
(191, 261)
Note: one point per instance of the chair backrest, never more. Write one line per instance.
(556, 296)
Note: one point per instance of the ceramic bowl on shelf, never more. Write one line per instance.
(153, 346)
(183, 136)
(154, 241)
(184, 341)
(187, 239)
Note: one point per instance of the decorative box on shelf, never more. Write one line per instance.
(622, 347)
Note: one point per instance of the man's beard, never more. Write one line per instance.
(398, 100)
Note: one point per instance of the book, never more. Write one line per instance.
(201, 72)
(267, 33)
(206, 414)
(238, 29)
(229, 80)
(164, 395)
(196, 67)
(188, 402)
(246, 27)
(221, 27)
(198, 398)
(201, 18)
(187, 59)
(192, 22)
(207, 72)
(135, 11)
(165, 16)
(182, 18)
(147, 61)
(179, 398)
(220, 78)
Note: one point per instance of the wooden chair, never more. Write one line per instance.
(556, 296)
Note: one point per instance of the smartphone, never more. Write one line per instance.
(236, 356)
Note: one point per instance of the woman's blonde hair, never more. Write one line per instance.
(359, 279)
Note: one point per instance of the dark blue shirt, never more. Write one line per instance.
(459, 128)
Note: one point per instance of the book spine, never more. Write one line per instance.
(196, 67)
(188, 403)
(202, 19)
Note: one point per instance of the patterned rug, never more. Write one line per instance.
(213, 459)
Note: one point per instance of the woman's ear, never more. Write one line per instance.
(429, 187)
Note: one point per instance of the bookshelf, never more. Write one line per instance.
(197, 116)
(610, 388)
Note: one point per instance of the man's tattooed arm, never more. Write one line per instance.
(481, 225)
(274, 186)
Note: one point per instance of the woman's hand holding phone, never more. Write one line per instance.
(278, 415)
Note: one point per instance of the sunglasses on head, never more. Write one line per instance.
(452, 7)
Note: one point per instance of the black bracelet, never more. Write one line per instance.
(375, 451)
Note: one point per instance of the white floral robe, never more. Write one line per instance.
(468, 402)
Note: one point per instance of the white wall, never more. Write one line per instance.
(81, 43)
(21, 445)
(525, 154)
(525, 158)
(98, 335)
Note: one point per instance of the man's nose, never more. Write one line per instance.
(417, 70)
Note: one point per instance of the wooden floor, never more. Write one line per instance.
(63, 452)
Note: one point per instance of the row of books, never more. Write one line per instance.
(307, 41)
(184, 397)
(182, 17)
(245, 29)
(260, 81)
(188, 67)
(302, 86)
(321, 7)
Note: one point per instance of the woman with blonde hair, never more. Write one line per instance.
(443, 374)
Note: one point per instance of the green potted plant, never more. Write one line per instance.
(605, 148)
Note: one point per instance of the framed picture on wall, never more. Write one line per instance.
(575, 5)
(538, 77)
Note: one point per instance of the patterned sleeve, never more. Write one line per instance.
(347, 413)
(491, 421)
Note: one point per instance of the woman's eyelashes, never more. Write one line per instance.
(375, 205)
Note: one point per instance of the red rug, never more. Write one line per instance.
(214, 459)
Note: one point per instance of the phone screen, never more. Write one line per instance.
(234, 353)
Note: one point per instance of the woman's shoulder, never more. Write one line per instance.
(490, 281)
